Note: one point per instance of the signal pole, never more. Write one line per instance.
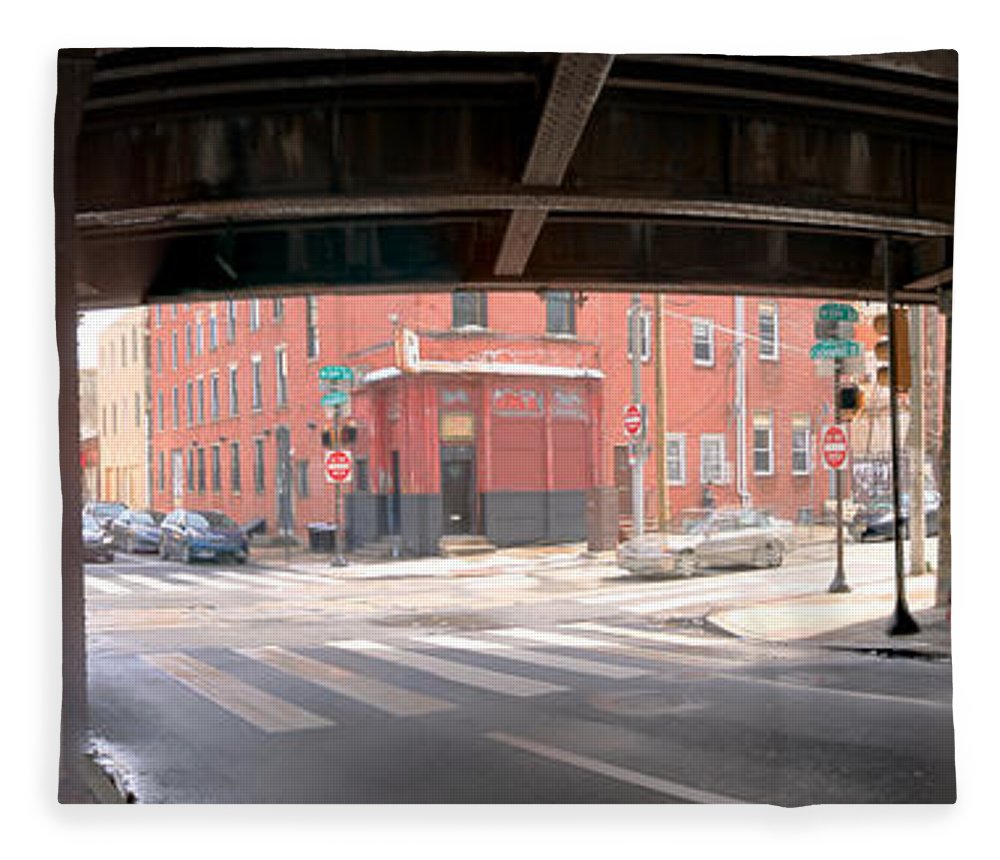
(839, 584)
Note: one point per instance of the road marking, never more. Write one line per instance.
(836, 691)
(302, 577)
(652, 635)
(562, 639)
(460, 673)
(509, 580)
(538, 658)
(361, 645)
(105, 586)
(253, 580)
(260, 709)
(149, 582)
(206, 581)
(622, 774)
(377, 694)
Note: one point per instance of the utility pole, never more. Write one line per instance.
(662, 494)
(639, 443)
(739, 362)
(918, 522)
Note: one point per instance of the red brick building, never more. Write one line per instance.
(473, 414)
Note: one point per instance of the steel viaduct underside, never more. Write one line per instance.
(208, 172)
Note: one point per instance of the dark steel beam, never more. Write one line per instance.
(577, 84)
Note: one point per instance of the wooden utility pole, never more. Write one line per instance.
(662, 493)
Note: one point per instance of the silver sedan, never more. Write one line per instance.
(727, 537)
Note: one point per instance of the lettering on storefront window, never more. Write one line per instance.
(568, 404)
(457, 427)
(518, 402)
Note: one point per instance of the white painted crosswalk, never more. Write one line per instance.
(127, 584)
(504, 662)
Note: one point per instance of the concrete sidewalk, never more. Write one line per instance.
(855, 621)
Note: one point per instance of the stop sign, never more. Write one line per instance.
(633, 419)
(337, 465)
(834, 446)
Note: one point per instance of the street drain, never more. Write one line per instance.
(440, 621)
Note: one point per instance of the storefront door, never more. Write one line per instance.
(458, 482)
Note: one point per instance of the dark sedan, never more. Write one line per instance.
(104, 512)
(96, 544)
(190, 535)
(137, 531)
(875, 521)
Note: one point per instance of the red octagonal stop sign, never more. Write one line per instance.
(337, 465)
(834, 446)
(633, 419)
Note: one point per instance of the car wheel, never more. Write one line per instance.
(769, 555)
(685, 563)
(241, 558)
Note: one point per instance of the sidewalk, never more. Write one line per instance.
(854, 621)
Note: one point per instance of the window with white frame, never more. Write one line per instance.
(216, 468)
(676, 459)
(188, 344)
(258, 465)
(254, 314)
(213, 396)
(767, 327)
(703, 336)
(159, 355)
(199, 343)
(173, 344)
(468, 309)
(213, 331)
(159, 410)
(645, 348)
(281, 375)
(230, 321)
(256, 391)
(312, 328)
(801, 444)
(234, 467)
(713, 458)
(177, 408)
(763, 442)
(278, 309)
(560, 313)
(234, 391)
(190, 403)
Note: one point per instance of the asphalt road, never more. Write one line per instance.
(225, 684)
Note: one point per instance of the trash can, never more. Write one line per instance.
(602, 519)
(322, 537)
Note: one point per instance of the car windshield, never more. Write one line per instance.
(90, 524)
(156, 516)
(212, 519)
(107, 509)
(143, 519)
(699, 526)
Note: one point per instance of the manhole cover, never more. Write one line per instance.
(647, 703)
(440, 621)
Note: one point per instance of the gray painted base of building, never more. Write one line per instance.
(508, 519)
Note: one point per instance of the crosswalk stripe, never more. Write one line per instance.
(369, 691)
(254, 580)
(149, 582)
(549, 638)
(260, 709)
(210, 582)
(460, 673)
(538, 658)
(651, 635)
(105, 586)
(302, 577)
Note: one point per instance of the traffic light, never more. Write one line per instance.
(850, 401)
(901, 359)
(348, 434)
(327, 437)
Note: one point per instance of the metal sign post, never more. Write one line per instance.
(839, 584)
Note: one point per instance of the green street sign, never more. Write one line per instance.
(835, 349)
(337, 372)
(838, 312)
(334, 398)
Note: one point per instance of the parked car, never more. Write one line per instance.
(717, 538)
(104, 512)
(96, 544)
(137, 531)
(190, 535)
(876, 521)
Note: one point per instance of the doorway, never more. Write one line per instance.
(458, 483)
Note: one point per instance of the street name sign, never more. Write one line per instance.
(632, 419)
(836, 311)
(336, 373)
(337, 466)
(334, 398)
(835, 349)
(833, 444)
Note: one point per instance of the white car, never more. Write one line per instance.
(727, 537)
